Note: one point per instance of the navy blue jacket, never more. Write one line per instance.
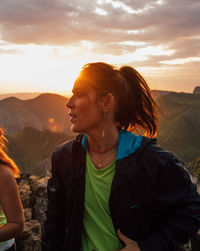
(153, 200)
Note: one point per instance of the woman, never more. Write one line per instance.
(110, 189)
(11, 212)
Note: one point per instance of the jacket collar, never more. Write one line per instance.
(130, 148)
(127, 167)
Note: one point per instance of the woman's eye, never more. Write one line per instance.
(79, 94)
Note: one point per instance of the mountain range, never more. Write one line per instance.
(180, 128)
(46, 111)
(29, 147)
(35, 126)
(20, 95)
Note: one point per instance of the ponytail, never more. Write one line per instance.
(135, 107)
(4, 158)
(138, 110)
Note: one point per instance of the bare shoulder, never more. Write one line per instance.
(5, 169)
(6, 174)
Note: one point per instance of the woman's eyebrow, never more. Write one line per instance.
(77, 89)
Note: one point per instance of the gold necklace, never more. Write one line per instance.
(104, 151)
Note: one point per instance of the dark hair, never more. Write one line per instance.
(4, 158)
(136, 108)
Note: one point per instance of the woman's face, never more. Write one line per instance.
(85, 108)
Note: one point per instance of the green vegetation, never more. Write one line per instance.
(30, 146)
(180, 130)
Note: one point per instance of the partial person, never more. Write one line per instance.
(111, 188)
(11, 211)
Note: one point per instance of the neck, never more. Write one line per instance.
(98, 141)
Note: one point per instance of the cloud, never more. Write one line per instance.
(174, 23)
(184, 77)
(12, 51)
(187, 47)
(116, 48)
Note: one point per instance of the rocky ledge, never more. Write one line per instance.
(33, 192)
(33, 195)
(196, 90)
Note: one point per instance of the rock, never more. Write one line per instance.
(30, 240)
(25, 193)
(44, 167)
(33, 192)
(28, 214)
(196, 90)
(23, 177)
(38, 197)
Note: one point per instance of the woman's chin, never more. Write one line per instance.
(73, 128)
(76, 129)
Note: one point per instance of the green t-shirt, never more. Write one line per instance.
(2, 221)
(99, 233)
(2, 217)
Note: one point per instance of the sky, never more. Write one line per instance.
(44, 43)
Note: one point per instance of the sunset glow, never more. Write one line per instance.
(39, 69)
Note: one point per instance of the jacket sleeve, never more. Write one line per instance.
(54, 227)
(177, 202)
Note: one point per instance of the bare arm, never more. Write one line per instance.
(11, 205)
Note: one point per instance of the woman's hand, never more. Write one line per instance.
(130, 245)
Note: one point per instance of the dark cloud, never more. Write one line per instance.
(186, 47)
(174, 23)
(40, 22)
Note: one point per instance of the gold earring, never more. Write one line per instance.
(103, 131)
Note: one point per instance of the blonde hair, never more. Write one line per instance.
(4, 158)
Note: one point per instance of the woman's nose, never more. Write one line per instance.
(69, 103)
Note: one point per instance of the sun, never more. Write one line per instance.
(39, 69)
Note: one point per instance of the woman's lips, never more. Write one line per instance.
(72, 117)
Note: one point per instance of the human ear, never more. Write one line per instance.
(108, 102)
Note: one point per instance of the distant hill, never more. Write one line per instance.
(180, 130)
(46, 111)
(157, 93)
(20, 95)
(30, 146)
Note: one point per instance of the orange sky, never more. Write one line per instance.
(43, 43)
